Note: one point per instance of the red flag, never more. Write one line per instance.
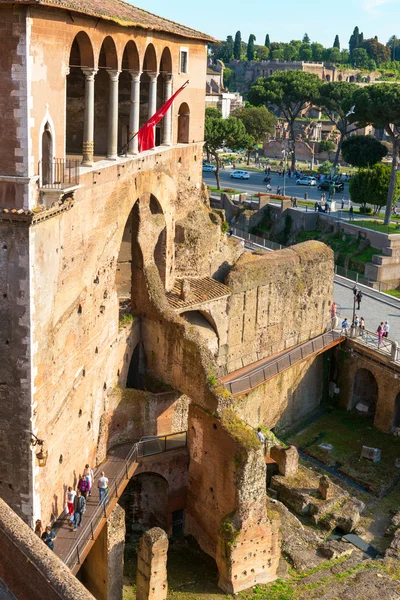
(146, 133)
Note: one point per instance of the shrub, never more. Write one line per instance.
(365, 210)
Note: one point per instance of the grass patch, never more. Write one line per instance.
(348, 433)
(378, 226)
(395, 293)
(226, 190)
(126, 319)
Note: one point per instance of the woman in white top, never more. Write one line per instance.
(70, 502)
(88, 473)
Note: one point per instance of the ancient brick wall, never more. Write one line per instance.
(278, 300)
(151, 575)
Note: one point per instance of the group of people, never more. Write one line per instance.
(76, 504)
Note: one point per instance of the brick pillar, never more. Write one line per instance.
(102, 573)
(151, 574)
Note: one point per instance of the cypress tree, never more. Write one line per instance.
(250, 47)
(336, 43)
(267, 41)
(237, 46)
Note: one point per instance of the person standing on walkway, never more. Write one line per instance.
(351, 213)
(48, 536)
(260, 435)
(102, 484)
(39, 528)
(345, 326)
(79, 509)
(342, 203)
(70, 502)
(333, 310)
(386, 328)
(278, 191)
(362, 326)
(88, 473)
(83, 486)
(358, 297)
(380, 333)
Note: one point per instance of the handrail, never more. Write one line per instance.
(264, 372)
(58, 173)
(290, 342)
(145, 447)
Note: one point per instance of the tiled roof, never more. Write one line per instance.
(204, 289)
(122, 13)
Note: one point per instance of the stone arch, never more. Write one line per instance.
(129, 67)
(365, 392)
(81, 52)
(183, 123)
(130, 57)
(145, 501)
(166, 61)
(352, 78)
(128, 262)
(340, 78)
(327, 77)
(205, 326)
(396, 412)
(108, 57)
(150, 60)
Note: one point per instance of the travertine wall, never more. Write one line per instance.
(278, 300)
(151, 574)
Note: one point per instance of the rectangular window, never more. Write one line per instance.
(184, 60)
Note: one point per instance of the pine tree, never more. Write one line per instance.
(237, 46)
(354, 40)
(336, 43)
(306, 39)
(267, 41)
(250, 47)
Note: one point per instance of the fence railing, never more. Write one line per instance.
(371, 340)
(58, 173)
(276, 366)
(255, 239)
(147, 446)
(362, 279)
(280, 346)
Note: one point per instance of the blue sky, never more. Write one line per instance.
(283, 21)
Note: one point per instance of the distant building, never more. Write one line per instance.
(217, 95)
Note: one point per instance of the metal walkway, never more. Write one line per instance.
(73, 547)
(255, 374)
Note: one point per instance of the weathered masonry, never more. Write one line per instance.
(121, 299)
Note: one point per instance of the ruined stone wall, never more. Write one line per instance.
(16, 412)
(226, 507)
(286, 399)
(278, 300)
(14, 91)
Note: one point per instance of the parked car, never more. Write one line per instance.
(208, 167)
(306, 181)
(325, 185)
(240, 175)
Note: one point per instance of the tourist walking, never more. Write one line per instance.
(260, 435)
(345, 326)
(102, 484)
(48, 536)
(39, 528)
(333, 310)
(278, 191)
(351, 212)
(79, 509)
(362, 326)
(342, 203)
(88, 473)
(386, 328)
(380, 333)
(83, 486)
(70, 502)
(358, 297)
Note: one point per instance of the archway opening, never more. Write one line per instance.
(129, 261)
(108, 62)
(130, 67)
(396, 412)
(81, 58)
(205, 327)
(47, 156)
(183, 123)
(365, 393)
(145, 501)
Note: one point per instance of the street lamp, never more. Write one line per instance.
(41, 456)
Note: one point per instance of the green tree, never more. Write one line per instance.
(237, 46)
(360, 58)
(333, 55)
(291, 92)
(306, 39)
(278, 54)
(220, 132)
(257, 121)
(363, 151)
(345, 54)
(336, 43)
(379, 105)
(267, 43)
(355, 40)
(290, 52)
(336, 99)
(371, 186)
(325, 168)
(262, 52)
(305, 52)
(376, 51)
(222, 50)
(327, 146)
(317, 51)
(250, 47)
(229, 76)
(393, 44)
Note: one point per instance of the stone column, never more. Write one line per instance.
(88, 125)
(151, 573)
(112, 145)
(134, 114)
(152, 94)
(167, 121)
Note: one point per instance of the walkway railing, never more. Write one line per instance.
(371, 340)
(58, 174)
(255, 239)
(362, 279)
(274, 367)
(145, 447)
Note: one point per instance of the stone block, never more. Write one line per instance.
(335, 549)
(325, 488)
(151, 575)
(287, 459)
(373, 454)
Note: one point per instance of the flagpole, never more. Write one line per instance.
(135, 134)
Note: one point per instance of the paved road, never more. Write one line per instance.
(256, 184)
(373, 310)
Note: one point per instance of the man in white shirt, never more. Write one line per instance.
(102, 484)
(260, 435)
(386, 328)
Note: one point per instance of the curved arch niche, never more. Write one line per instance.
(365, 393)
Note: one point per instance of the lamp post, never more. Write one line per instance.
(41, 456)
